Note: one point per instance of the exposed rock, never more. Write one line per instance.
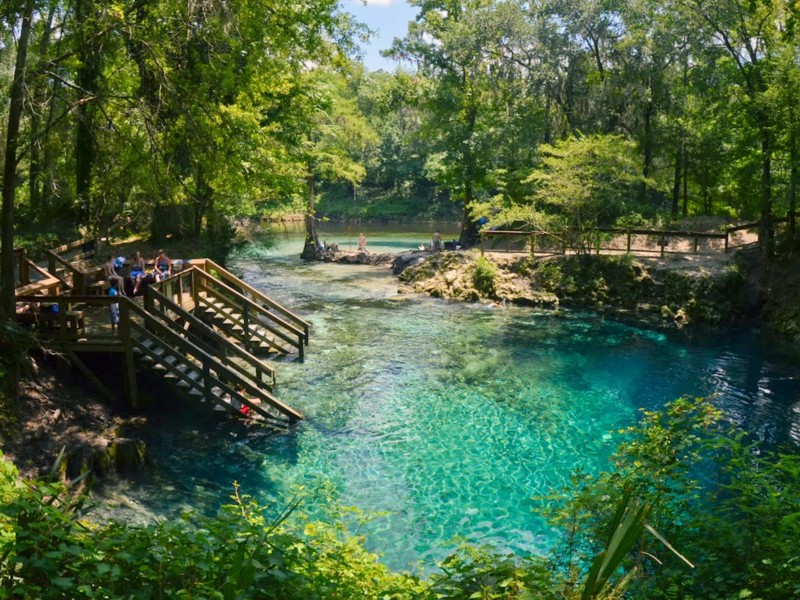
(406, 259)
(599, 282)
(357, 258)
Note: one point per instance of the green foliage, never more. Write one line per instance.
(720, 501)
(484, 276)
(626, 530)
(684, 484)
(582, 184)
(48, 550)
(549, 276)
(480, 572)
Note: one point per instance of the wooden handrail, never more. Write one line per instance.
(259, 366)
(235, 299)
(77, 244)
(258, 296)
(209, 363)
(743, 226)
(216, 285)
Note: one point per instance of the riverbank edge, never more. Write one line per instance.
(679, 291)
(676, 293)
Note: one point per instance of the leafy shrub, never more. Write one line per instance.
(484, 276)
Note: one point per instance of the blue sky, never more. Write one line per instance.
(389, 19)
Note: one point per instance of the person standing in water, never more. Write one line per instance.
(436, 243)
(362, 242)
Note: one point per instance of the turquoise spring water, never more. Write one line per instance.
(449, 419)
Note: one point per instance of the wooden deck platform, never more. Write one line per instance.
(197, 330)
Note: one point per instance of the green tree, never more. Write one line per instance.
(579, 184)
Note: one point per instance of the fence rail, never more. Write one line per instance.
(615, 239)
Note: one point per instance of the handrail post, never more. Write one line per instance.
(246, 320)
(206, 380)
(62, 320)
(24, 272)
(195, 288)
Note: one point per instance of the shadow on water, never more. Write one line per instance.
(447, 417)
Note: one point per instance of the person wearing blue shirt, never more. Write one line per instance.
(114, 307)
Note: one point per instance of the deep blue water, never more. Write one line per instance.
(449, 418)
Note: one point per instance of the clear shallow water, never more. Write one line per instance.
(449, 418)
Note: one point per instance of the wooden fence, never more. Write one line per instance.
(624, 241)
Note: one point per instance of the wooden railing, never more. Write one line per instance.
(64, 268)
(32, 279)
(215, 374)
(69, 320)
(659, 240)
(251, 316)
(210, 340)
(248, 291)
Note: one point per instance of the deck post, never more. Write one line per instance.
(129, 386)
(24, 272)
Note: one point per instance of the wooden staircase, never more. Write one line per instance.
(243, 314)
(197, 331)
(185, 361)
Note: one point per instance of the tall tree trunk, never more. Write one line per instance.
(40, 95)
(685, 182)
(7, 300)
(793, 172)
(647, 144)
(311, 247)
(767, 232)
(469, 229)
(676, 184)
(88, 74)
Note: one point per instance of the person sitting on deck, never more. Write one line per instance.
(112, 276)
(137, 271)
(362, 242)
(163, 266)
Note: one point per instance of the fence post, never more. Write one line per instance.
(483, 236)
(727, 235)
(662, 241)
(629, 242)
(694, 249)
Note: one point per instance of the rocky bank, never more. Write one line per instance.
(680, 290)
